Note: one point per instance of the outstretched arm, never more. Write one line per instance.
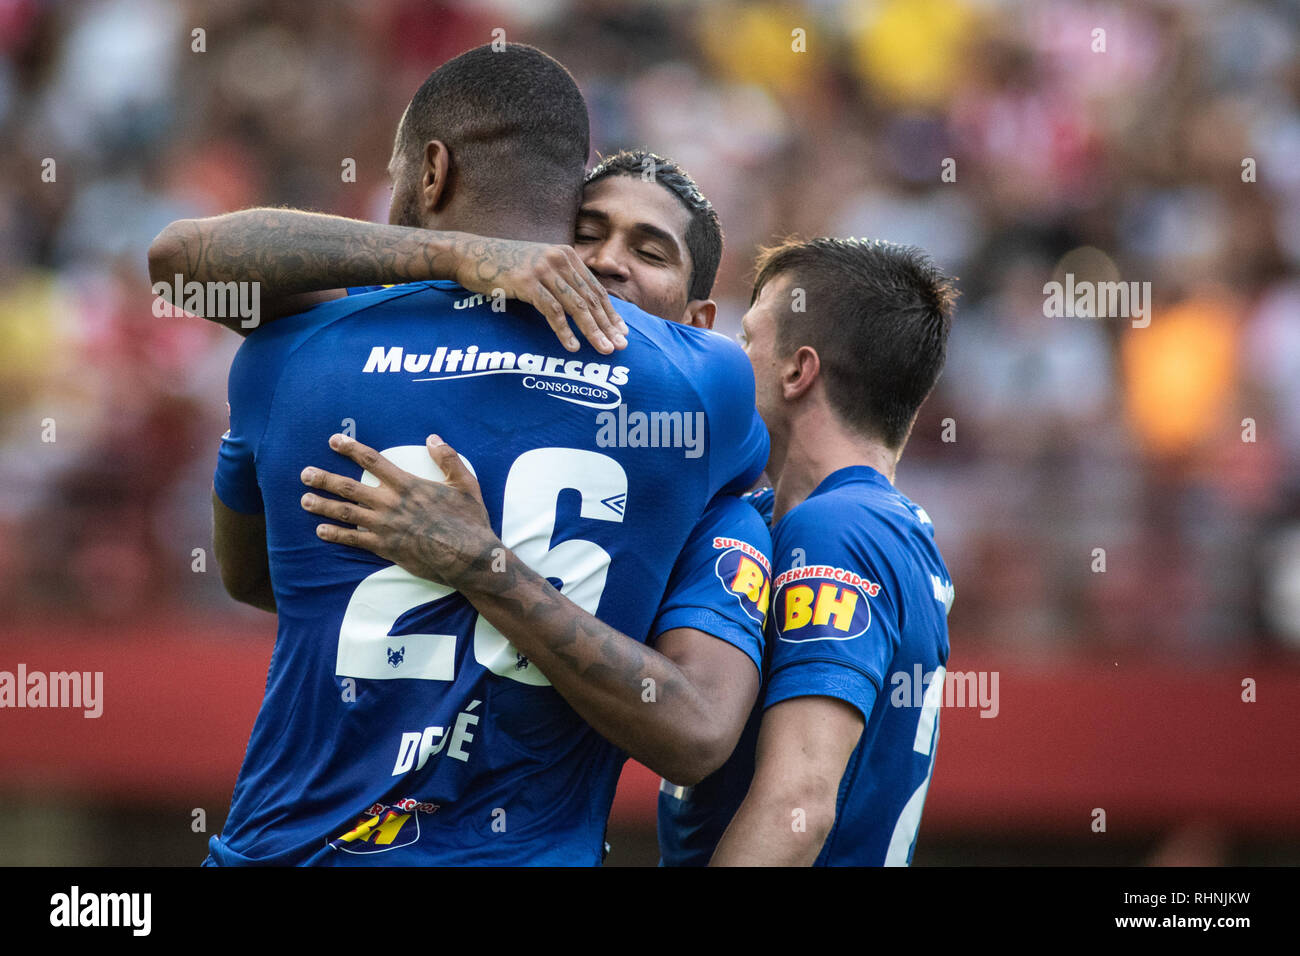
(299, 259)
(704, 687)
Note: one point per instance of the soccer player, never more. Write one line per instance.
(847, 338)
(654, 240)
(397, 719)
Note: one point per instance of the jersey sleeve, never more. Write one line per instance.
(833, 627)
(254, 374)
(737, 435)
(721, 581)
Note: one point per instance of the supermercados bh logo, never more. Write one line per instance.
(594, 384)
(745, 572)
(385, 827)
(822, 603)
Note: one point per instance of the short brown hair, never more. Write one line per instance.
(878, 315)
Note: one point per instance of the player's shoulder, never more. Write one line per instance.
(262, 354)
(728, 517)
(683, 342)
(293, 330)
(858, 509)
(361, 298)
(864, 493)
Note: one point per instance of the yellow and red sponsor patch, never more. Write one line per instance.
(746, 573)
(384, 827)
(822, 603)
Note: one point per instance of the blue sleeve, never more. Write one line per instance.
(363, 289)
(833, 628)
(737, 435)
(254, 374)
(721, 581)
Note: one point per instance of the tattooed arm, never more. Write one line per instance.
(704, 688)
(300, 259)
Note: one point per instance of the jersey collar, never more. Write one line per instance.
(850, 475)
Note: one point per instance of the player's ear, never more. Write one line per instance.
(800, 372)
(434, 176)
(701, 313)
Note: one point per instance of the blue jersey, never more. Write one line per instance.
(721, 583)
(859, 612)
(397, 726)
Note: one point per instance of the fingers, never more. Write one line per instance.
(610, 322)
(457, 475)
(368, 459)
(583, 297)
(344, 511)
(565, 286)
(353, 538)
(341, 486)
(545, 303)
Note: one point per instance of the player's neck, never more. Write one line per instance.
(556, 230)
(817, 445)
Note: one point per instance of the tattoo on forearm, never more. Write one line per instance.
(291, 252)
(595, 651)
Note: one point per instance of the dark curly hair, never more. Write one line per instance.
(703, 233)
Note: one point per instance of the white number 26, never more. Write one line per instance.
(528, 517)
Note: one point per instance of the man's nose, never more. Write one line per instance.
(606, 260)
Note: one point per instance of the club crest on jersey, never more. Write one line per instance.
(593, 384)
(395, 657)
(746, 573)
(385, 827)
(822, 603)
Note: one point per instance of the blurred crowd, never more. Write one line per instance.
(1095, 486)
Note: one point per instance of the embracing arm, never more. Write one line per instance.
(299, 259)
(703, 687)
(804, 745)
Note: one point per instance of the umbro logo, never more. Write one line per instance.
(615, 503)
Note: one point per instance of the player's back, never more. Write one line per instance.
(397, 726)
